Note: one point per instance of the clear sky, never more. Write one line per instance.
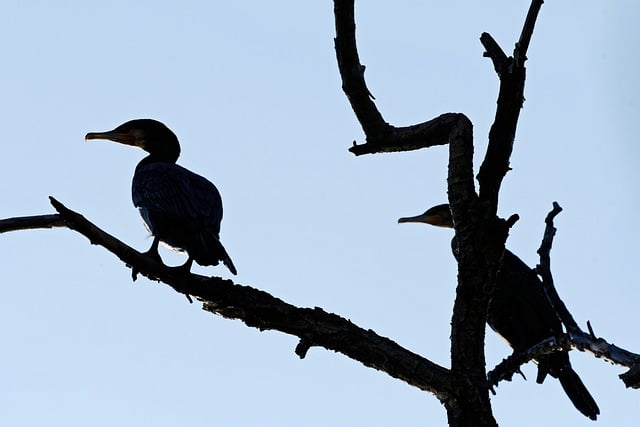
(253, 92)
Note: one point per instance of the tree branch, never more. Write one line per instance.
(520, 51)
(480, 235)
(352, 71)
(258, 309)
(512, 74)
(381, 136)
(31, 222)
(478, 245)
(577, 340)
(544, 271)
(468, 322)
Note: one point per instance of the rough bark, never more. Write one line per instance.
(480, 234)
(259, 309)
(479, 244)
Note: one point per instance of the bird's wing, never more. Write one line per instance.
(175, 191)
(520, 306)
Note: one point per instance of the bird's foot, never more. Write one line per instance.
(185, 269)
(151, 253)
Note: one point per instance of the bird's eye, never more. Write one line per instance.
(139, 136)
(138, 133)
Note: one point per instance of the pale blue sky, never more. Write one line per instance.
(252, 91)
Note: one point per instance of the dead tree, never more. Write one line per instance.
(463, 387)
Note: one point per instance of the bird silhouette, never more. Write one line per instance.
(521, 313)
(180, 208)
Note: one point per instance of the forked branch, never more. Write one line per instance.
(575, 338)
(512, 74)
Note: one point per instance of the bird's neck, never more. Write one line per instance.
(152, 158)
(166, 150)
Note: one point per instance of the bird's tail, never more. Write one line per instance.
(578, 393)
(207, 249)
(226, 260)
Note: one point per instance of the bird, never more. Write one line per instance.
(179, 208)
(521, 313)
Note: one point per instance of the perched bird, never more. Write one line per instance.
(180, 208)
(521, 313)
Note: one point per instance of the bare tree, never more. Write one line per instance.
(463, 387)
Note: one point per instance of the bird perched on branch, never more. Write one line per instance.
(179, 207)
(521, 313)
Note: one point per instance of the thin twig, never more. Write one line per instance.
(577, 340)
(520, 52)
(544, 271)
(31, 222)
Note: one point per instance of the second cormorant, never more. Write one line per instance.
(521, 313)
(179, 207)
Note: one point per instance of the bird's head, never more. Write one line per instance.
(440, 216)
(150, 135)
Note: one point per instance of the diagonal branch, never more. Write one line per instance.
(256, 308)
(575, 338)
(527, 30)
(512, 74)
(544, 271)
(352, 71)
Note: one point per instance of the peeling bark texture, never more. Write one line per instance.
(258, 309)
(579, 340)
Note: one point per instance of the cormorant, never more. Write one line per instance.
(179, 208)
(521, 313)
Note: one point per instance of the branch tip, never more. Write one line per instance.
(590, 329)
(54, 202)
(556, 209)
(512, 220)
(303, 347)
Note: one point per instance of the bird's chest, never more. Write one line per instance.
(153, 186)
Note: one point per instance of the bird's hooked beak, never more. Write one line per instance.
(127, 138)
(438, 216)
